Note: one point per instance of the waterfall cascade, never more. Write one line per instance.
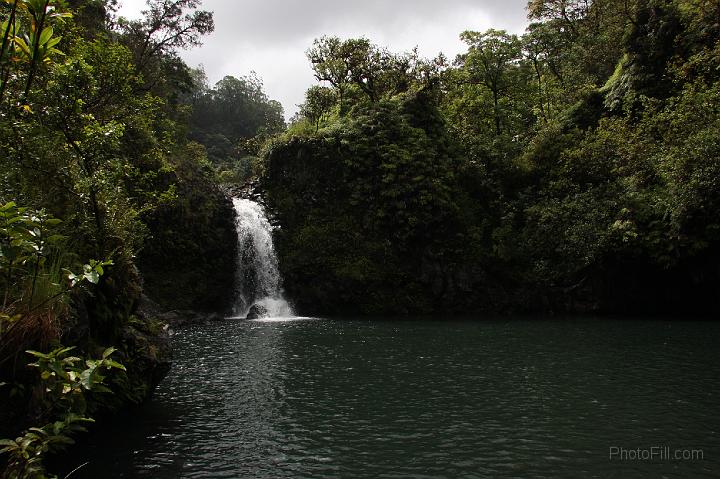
(258, 282)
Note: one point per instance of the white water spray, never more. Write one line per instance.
(258, 280)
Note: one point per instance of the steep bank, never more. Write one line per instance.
(370, 218)
(189, 260)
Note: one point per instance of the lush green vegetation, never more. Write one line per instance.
(232, 120)
(573, 168)
(103, 195)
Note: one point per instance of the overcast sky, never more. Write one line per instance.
(270, 37)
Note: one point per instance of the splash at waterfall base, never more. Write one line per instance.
(258, 288)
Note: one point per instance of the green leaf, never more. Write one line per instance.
(23, 46)
(46, 34)
(108, 352)
(35, 7)
(38, 354)
(93, 277)
(52, 43)
(114, 364)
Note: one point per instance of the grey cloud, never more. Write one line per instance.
(284, 21)
(271, 36)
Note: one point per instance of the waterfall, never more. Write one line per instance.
(258, 280)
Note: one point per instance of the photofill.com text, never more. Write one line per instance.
(655, 453)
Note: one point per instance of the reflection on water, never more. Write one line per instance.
(425, 399)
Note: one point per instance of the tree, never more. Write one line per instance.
(28, 42)
(491, 58)
(582, 40)
(358, 63)
(232, 120)
(330, 64)
(569, 12)
(319, 101)
(167, 26)
(236, 108)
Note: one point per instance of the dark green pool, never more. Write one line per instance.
(429, 399)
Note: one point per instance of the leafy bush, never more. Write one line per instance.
(65, 382)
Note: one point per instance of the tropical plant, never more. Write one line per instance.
(65, 382)
(29, 39)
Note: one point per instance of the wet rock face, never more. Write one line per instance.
(257, 311)
(252, 189)
(148, 359)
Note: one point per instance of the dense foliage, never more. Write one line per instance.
(102, 193)
(232, 120)
(573, 168)
(357, 200)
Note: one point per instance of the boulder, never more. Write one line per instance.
(148, 359)
(257, 311)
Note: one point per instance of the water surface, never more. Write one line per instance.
(426, 399)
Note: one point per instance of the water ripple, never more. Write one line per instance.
(426, 399)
